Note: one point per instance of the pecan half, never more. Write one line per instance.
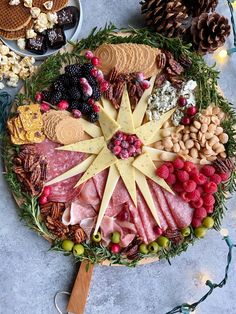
(176, 67)
(161, 60)
(113, 75)
(160, 80)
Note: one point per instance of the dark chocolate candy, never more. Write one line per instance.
(68, 17)
(37, 45)
(56, 37)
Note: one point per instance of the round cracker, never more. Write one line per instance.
(108, 57)
(69, 131)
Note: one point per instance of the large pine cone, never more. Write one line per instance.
(209, 32)
(197, 7)
(167, 17)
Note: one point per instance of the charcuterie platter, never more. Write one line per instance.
(120, 150)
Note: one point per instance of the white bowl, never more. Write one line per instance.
(71, 34)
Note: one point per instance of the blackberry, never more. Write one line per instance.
(73, 70)
(74, 93)
(73, 105)
(55, 98)
(91, 80)
(74, 80)
(85, 108)
(86, 68)
(46, 95)
(85, 97)
(58, 86)
(96, 93)
(64, 79)
(93, 117)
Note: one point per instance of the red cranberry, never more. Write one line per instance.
(47, 191)
(158, 231)
(94, 72)
(83, 81)
(182, 101)
(186, 121)
(138, 144)
(44, 106)
(145, 84)
(96, 108)
(115, 248)
(91, 101)
(95, 61)
(89, 55)
(117, 142)
(100, 76)
(131, 149)
(191, 111)
(124, 144)
(124, 154)
(38, 97)
(116, 150)
(76, 113)
(63, 105)
(43, 200)
(104, 86)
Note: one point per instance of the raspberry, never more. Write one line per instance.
(197, 204)
(193, 172)
(189, 166)
(196, 222)
(163, 172)
(189, 186)
(209, 209)
(178, 187)
(208, 200)
(208, 170)
(210, 187)
(184, 197)
(171, 179)
(224, 176)
(178, 163)
(200, 189)
(182, 176)
(200, 213)
(216, 178)
(194, 196)
(200, 179)
(116, 150)
(170, 166)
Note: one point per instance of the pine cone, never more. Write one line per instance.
(197, 7)
(209, 32)
(167, 17)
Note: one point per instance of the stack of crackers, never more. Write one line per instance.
(128, 58)
(26, 128)
(61, 127)
(15, 20)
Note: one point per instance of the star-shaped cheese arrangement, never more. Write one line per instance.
(133, 171)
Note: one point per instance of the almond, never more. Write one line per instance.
(223, 137)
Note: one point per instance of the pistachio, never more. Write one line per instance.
(223, 137)
(204, 128)
(189, 144)
(197, 124)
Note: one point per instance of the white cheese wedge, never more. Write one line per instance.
(140, 110)
(127, 173)
(125, 116)
(91, 128)
(108, 125)
(144, 188)
(104, 160)
(82, 167)
(147, 132)
(145, 165)
(112, 180)
(93, 146)
(109, 108)
(159, 155)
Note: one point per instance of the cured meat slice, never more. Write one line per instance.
(100, 181)
(180, 210)
(120, 195)
(77, 212)
(164, 224)
(89, 195)
(164, 206)
(147, 219)
(58, 163)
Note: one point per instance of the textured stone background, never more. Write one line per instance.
(30, 275)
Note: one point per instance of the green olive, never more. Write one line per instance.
(186, 231)
(97, 237)
(163, 242)
(78, 249)
(67, 245)
(153, 247)
(200, 232)
(115, 237)
(143, 248)
(208, 222)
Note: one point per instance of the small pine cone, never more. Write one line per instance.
(224, 165)
(209, 32)
(203, 6)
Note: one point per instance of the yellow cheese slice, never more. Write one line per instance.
(112, 180)
(91, 128)
(159, 155)
(104, 160)
(147, 132)
(144, 189)
(140, 110)
(109, 108)
(125, 116)
(127, 173)
(145, 165)
(93, 146)
(108, 125)
(82, 167)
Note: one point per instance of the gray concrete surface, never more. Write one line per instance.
(30, 275)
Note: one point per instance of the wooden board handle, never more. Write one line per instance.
(80, 290)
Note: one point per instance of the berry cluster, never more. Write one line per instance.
(125, 145)
(189, 111)
(43, 199)
(195, 186)
(77, 90)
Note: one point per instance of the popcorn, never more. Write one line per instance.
(27, 61)
(3, 60)
(28, 3)
(21, 43)
(14, 2)
(52, 17)
(16, 68)
(41, 22)
(30, 33)
(13, 80)
(48, 5)
(35, 12)
(4, 50)
(1, 85)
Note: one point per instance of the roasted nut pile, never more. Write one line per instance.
(204, 139)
